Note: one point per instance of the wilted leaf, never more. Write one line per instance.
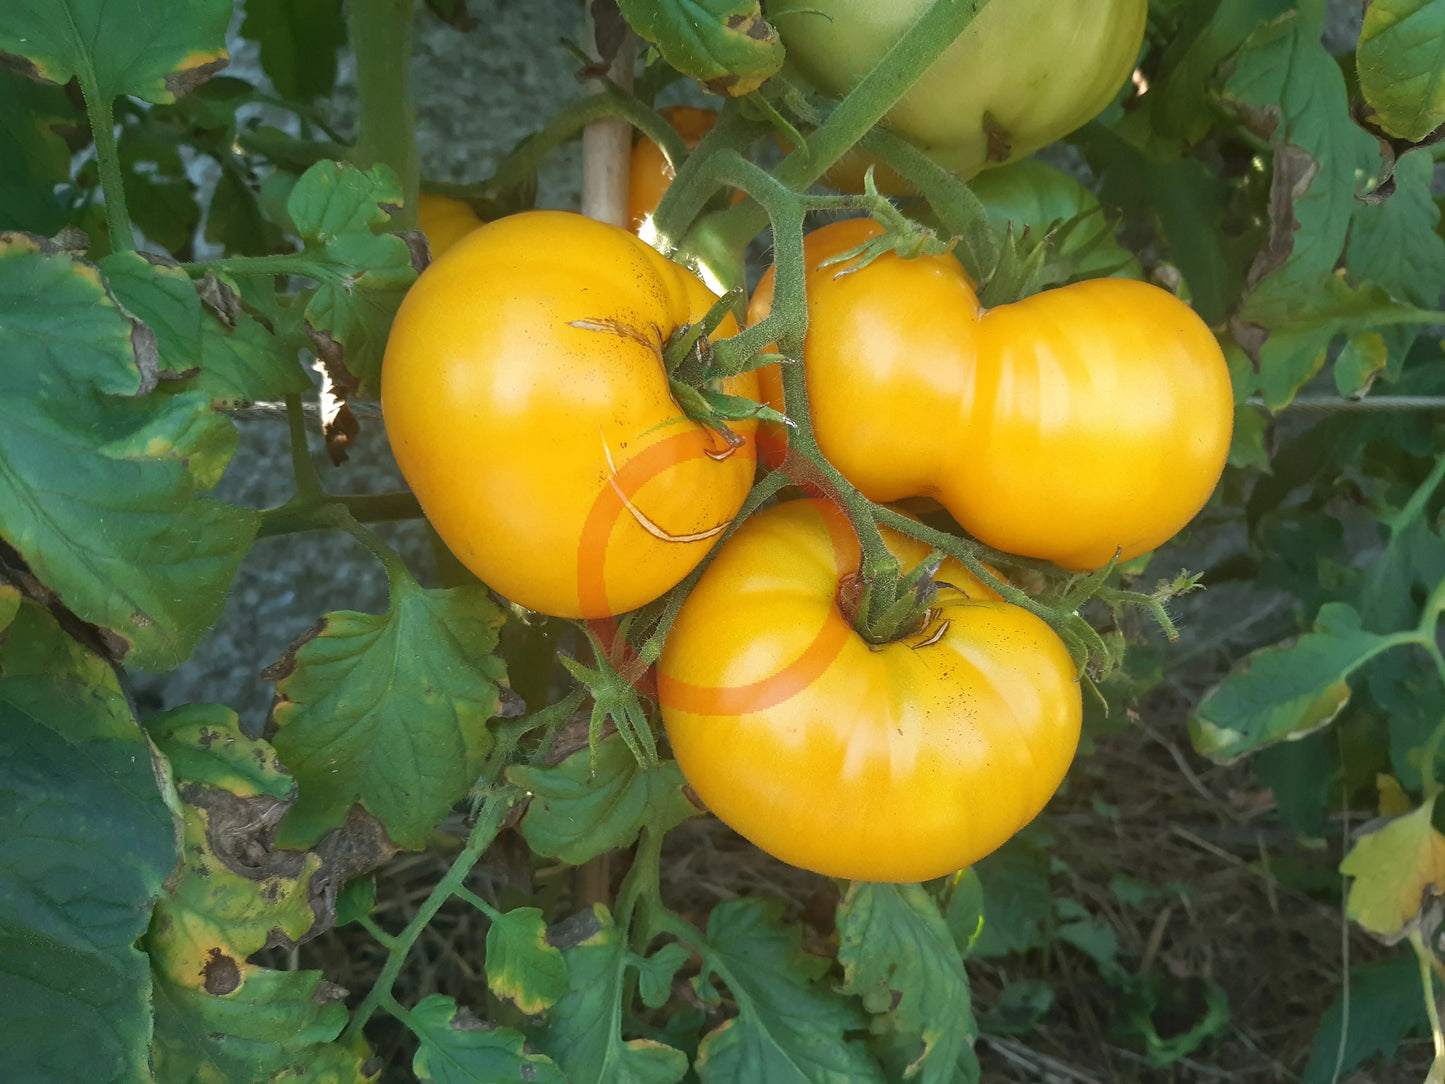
(726, 44)
(788, 1028)
(580, 809)
(1285, 692)
(156, 51)
(98, 494)
(1393, 869)
(899, 957)
(456, 1049)
(389, 711)
(86, 840)
(522, 967)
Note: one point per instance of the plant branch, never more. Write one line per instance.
(381, 34)
(100, 111)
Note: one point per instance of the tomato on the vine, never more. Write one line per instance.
(1082, 420)
(1023, 74)
(528, 406)
(444, 221)
(895, 762)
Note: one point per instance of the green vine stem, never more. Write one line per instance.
(853, 117)
(100, 111)
(381, 34)
(303, 470)
(294, 517)
(1424, 956)
(489, 822)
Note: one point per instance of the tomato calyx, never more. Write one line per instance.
(1028, 265)
(887, 609)
(901, 235)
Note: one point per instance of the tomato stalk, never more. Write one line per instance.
(100, 111)
(381, 35)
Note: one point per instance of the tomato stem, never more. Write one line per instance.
(381, 35)
(100, 111)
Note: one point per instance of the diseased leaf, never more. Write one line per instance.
(160, 296)
(98, 486)
(584, 1035)
(726, 44)
(1285, 693)
(389, 711)
(457, 1049)
(86, 840)
(299, 40)
(789, 1029)
(580, 809)
(1401, 63)
(522, 966)
(1393, 869)
(899, 957)
(32, 644)
(157, 51)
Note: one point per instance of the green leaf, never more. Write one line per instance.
(337, 208)
(157, 51)
(1363, 358)
(236, 221)
(388, 710)
(97, 487)
(1386, 1006)
(34, 160)
(299, 40)
(1284, 693)
(32, 644)
(1095, 939)
(1246, 448)
(655, 973)
(726, 44)
(1401, 63)
(456, 1048)
(246, 363)
(1301, 773)
(964, 913)
(899, 957)
(160, 197)
(1017, 904)
(1393, 242)
(522, 966)
(1291, 91)
(1393, 869)
(159, 295)
(584, 1035)
(86, 840)
(581, 809)
(788, 1028)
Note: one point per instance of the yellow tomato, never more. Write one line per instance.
(1075, 422)
(898, 762)
(444, 221)
(527, 404)
(650, 173)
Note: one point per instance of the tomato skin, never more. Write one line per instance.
(1038, 68)
(1083, 419)
(895, 763)
(517, 366)
(649, 172)
(444, 221)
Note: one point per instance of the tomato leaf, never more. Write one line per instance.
(1400, 58)
(788, 1029)
(299, 40)
(388, 710)
(584, 1035)
(1385, 1007)
(726, 44)
(161, 296)
(245, 363)
(98, 488)
(457, 1049)
(580, 809)
(1285, 692)
(157, 51)
(34, 160)
(217, 1016)
(899, 957)
(336, 209)
(86, 840)
(1393, 869)
(522, 966)
(1016, 900)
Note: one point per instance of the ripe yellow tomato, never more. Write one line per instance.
(1081, 420)
(899, 762)
(527, 404)
(444, 221)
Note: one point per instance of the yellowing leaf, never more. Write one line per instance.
(1392, 869)
(1394, 802)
